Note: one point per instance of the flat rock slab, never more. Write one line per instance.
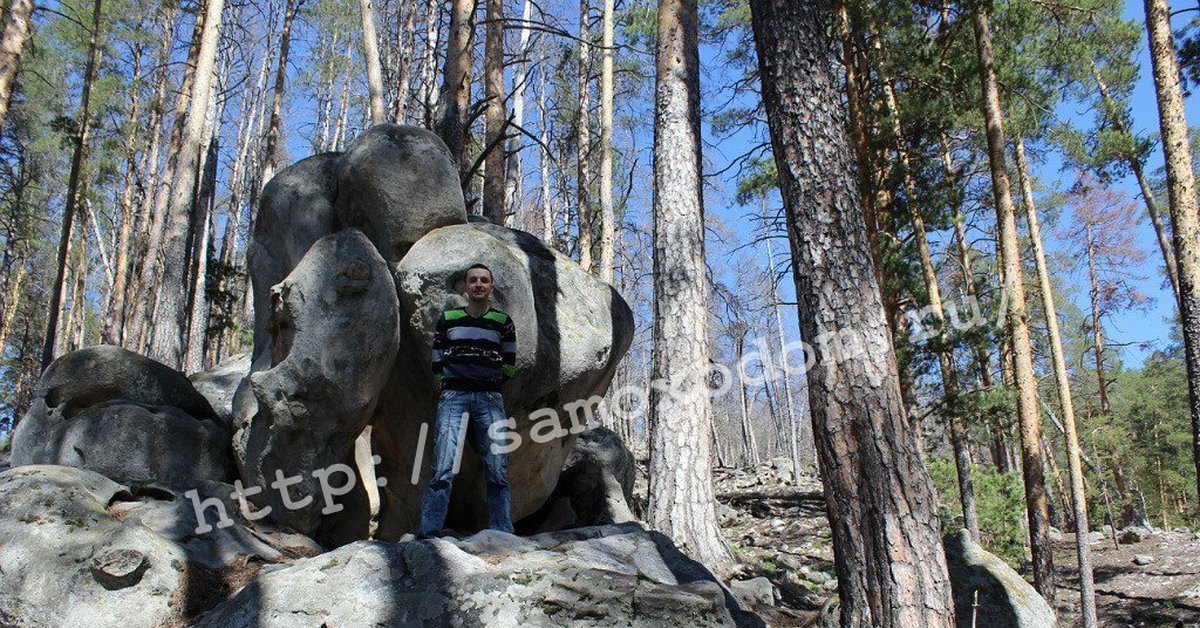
(600, 576)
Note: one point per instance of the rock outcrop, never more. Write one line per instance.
(572, 329)
(77, 549)
(125, 416)
(602, 576)
(335, 336)
(397, 183)
(1005, 599)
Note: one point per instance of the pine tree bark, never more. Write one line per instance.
(50, 349)
(1181, 191)
(371, 55)
(879, 499)
(495, 118)
(170, 323)
(12, 44)
(681, 492)
(1037, 508)
(607, 214)
(455, 96)
(1087, 586)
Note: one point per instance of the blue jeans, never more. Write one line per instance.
(483, 409)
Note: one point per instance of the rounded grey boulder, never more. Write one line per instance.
(572, 330)
(396, 183)
(125, 416)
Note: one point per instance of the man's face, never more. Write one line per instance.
(479, 284)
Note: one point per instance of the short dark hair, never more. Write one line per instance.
(483, 266)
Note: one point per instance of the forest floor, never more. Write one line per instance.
(779, 531)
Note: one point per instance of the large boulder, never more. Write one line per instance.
(296, 210)
(572, 330)
(219, 384)
(336, 333)
(77, 549)
(604, 576)
(125, 416)
(1005, 598)
(396, 183)
(595, 486)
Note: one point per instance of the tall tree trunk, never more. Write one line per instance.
(12, 43)
(583, 138)
(879, 498)
(1181, 191)
(170, 324)
(50, 348)
(547, 199)
(371, 55)
(269, 163)
(429, 92)
(496, 118)
(114, 323)
(983, 362)
(1087, 586)
(201, 229)
(146, 289)
(958, 432)
(793, 422)
(749, 443)
(607, 215)
(455, 96)
(681, 491)
(12, 299)
(1018, 324)
(76, 320)
(405, 38)
(339, 128)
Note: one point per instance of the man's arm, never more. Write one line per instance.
(439, 346)
(508, 350)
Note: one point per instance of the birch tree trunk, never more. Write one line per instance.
(1037, 508)
(12, 44)
(371, 55)
(50, 348)
(1087, 586)
(681, 492)
(496, 118)
(879, 498)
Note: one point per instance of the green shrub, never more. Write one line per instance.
(999, 503)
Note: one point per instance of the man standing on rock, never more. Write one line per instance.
(474, 352)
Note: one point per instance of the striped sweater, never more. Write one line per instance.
(476, 353)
